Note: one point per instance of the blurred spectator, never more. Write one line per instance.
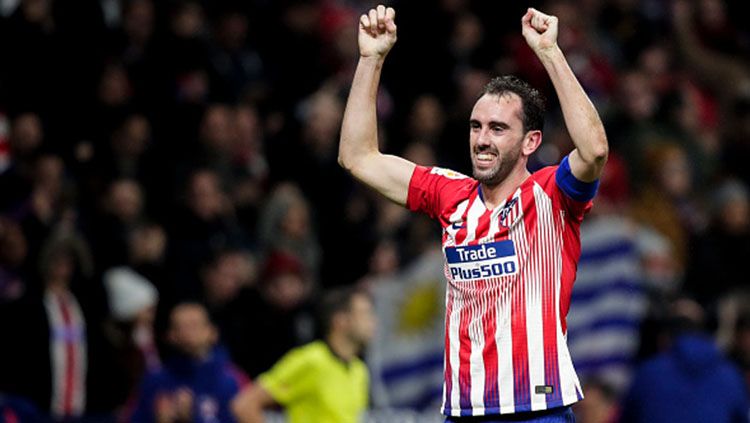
(635, 121)
(146, 253)
(384, 261)
(25, 138)
(46, 202)
(224, 277)
(285, 226)
(207, 225)
(132, 300)
(28, 62)
(187, 50)
(251, 167)
(690, 381)
(314, 169)
(237, 69)
(666, 203)
(324, 380)
(426, 121)
(129, 147)
(114, 94)
(122, 211)
(198, 382)
(217, 138)
(276, 310)
(58, 359)
(13, 251)
(294, 29)
(720, 253)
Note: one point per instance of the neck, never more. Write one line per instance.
(342, 346)
(493, 195)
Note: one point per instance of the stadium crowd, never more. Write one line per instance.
(162, 155)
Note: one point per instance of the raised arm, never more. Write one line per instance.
(358, 150)
(583, 122)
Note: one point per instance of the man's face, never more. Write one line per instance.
(495, 136)
(191, 331)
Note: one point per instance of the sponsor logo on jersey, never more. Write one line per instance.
(450, 174)
(483, 261)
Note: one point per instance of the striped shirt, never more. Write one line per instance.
(68, 354)
(510, 271)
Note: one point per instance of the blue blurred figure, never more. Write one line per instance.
(690, 382)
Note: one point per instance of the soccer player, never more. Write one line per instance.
(323, 381)
(511, 238)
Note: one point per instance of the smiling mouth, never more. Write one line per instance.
(485, 158)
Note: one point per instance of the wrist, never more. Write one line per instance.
(375, 59)
(549, 54)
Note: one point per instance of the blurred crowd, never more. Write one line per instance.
(157, 154)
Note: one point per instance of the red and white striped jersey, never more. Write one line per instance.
(510, 271)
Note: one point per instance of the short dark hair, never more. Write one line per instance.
(533, 101)
(333, 302)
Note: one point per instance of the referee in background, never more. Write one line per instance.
(325, 380)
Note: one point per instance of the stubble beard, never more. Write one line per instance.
(501, 170)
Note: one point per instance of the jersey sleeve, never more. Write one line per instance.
(291, 377)
(430, 188)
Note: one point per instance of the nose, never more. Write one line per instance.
(483, 140)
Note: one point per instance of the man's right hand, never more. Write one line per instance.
(377, 32)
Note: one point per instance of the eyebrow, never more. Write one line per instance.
(502, 125)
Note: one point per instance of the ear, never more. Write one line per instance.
(531, 142)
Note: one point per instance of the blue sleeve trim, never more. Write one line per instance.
(571, 186)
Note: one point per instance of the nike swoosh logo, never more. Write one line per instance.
(456, 226)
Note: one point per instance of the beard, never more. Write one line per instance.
(502, 168)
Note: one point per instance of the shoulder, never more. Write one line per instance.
(447, 173)
(315, 349)
(545, 175)
(309, 354)
(440, 174)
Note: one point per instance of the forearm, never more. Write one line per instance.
(359, 132)
(581, 118)
(252, 415)
(249, 405)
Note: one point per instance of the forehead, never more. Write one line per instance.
(507, 108)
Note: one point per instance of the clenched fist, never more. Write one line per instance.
(539, 30)
(377, 32)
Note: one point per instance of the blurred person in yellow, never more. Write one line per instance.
(325, 380)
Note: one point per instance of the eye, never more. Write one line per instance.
(497, 128)
(474, 125)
